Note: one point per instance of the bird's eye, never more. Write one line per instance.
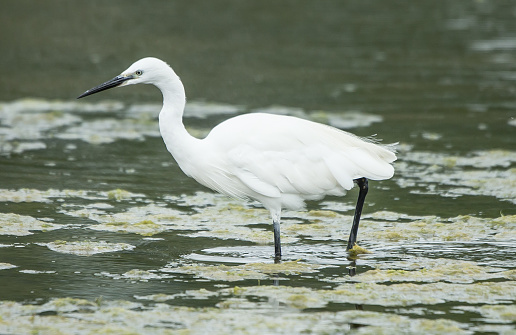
(139, 72)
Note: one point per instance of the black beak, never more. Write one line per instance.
(108, 84)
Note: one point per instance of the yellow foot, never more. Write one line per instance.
(357, 250)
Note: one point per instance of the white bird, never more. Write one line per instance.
(278, 160)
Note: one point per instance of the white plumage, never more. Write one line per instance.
(283, 160)
(278, 160)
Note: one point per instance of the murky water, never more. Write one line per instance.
(100, 232)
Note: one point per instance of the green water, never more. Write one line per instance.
(100, 231)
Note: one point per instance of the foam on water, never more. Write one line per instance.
(486, 173)
(255, 270)
(21, 225)
(86, 248)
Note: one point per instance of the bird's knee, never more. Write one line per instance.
(362, 183)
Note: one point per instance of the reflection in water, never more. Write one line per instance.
(352, 268)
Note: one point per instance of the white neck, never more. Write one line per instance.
(178, 141)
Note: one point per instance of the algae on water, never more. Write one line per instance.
(86, 248)
(21, 225)
(258, 271)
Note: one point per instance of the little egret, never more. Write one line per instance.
(278, 160)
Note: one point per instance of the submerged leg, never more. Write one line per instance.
(363, 187)
(277, 241)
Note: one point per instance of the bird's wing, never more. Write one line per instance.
(274, 155)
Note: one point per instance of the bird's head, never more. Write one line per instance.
(148, 70)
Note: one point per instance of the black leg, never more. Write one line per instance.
(277, 242)
(363, 187)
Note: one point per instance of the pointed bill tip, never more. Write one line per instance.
(84, 94)
(118, 80)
